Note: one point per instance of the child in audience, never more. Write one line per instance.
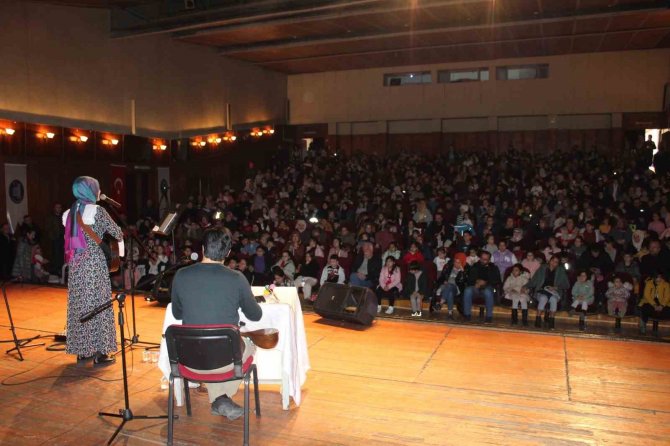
(582, 292)
(392, 251)
(415, 287)
(617, 295)
(516, 291)
(530, 263)
(472, 257)
(389, 284)
(333, 272)
(39, 264)
(440, 260)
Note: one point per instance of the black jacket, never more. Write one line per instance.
(446, 272)
(409, 286)
(490, 273)
(374, 267)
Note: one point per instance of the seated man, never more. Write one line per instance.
(209, 293)
(483, 278)
(366, 267)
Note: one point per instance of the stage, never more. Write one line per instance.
(396, 383)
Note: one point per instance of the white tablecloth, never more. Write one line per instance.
(287, 364)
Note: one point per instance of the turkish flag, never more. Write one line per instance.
(118, 186)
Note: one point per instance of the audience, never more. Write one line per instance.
(550, 209)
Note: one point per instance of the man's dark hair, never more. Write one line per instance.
(217, 243)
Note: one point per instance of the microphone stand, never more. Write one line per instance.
(126, 414)
(18, 343)
(132, 239)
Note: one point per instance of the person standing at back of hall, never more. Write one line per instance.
(88, 281)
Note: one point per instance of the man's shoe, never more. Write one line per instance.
(538, 321)
(643, 327)
(226, 407)
(418, 313)
(101, 360)
(389, 310)
(379, 308)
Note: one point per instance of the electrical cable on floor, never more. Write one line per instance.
(82, 375)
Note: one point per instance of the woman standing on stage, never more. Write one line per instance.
(89, 285)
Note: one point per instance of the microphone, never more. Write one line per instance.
(108, 200)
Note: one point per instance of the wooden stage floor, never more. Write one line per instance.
(397, 383)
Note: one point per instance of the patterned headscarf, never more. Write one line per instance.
(85, 190)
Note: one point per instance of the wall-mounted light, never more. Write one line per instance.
(83, 138)
(218, 140)
(203, 143)
(10, 131)
(114, 142)
(50, 135)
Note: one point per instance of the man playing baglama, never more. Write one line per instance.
(209, 293)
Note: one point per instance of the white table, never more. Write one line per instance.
(287, 364)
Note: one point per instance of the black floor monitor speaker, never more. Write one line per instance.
(346, 303)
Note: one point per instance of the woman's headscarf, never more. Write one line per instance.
(85, 190)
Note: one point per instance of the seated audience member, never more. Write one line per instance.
(656, 224)
(655, 302)
(197, 300)
(473, 257)
(598, 264)
(657, 260)
(39, 263)
(243, 268)
(279, 278)
(530, 263)
(578, 247)
(392, 251)
(549, 283)
(261, 264)
(582, 292)
(389, 284)
(491, 245)
(629, 265)
(503, 258)
(515, 290)
(333, 272)
(413, 254)
(336, 249)
(314, 246)
(285, 262)
(552, 248)
(617, 295)
(483, 278)
(307, 272)
(366, 267)
(440, 260)
(415, 287)
(451, 282)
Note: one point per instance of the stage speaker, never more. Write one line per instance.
(346, 303)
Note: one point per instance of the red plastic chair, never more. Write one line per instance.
(208, 347)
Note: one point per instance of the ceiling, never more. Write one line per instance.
(314, 36)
